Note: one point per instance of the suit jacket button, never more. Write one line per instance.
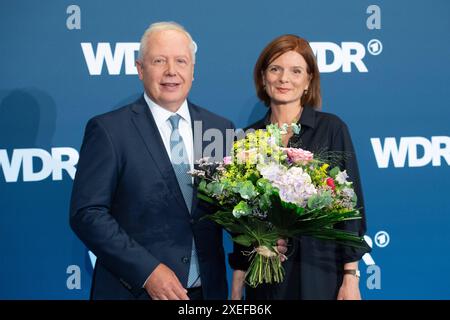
(185, 260)
(191, 221)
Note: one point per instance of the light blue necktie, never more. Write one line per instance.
(180, 164)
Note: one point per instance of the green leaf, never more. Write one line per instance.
(334, 172)
(247, 190)
(341, 237)
(254, 176)
(227, 220)
(244, 240)
(320, 200)
(283, 214)
(317, 223)
(215, 188)
(241, 209)
(264, 202)
(264, 186)
(292, 207)
(202, 186)
(354, 199)
(206, 198)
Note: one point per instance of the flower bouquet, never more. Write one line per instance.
(264, 192)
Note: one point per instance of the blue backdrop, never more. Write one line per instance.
(385, 71)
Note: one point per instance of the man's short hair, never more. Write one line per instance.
(162, 26)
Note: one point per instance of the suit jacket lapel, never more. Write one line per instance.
(145, 124)
(199, 143)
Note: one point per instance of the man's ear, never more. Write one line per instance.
(139, 68)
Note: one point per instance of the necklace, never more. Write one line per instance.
(294, 126)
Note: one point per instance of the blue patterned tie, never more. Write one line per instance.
(180, 164)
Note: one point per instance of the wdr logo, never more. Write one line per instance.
(124, 51)
(38, 164)
(331, 57)
(343, 56)
(418, 150)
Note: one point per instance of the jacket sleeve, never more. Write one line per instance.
(97, 176)
(342, 143)
(237, 259)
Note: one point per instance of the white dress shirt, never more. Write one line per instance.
(162, 116)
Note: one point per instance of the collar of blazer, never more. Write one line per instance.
(146, 126)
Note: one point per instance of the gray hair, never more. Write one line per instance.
(162, 26)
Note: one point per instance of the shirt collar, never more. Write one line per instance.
(161, 114)
(308, 117)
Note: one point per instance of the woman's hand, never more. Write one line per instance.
(282, 248)
(349, 289)
(237, 284)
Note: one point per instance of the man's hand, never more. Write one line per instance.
(163, 284)
(282, 248)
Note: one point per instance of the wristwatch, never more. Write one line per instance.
(353, 272)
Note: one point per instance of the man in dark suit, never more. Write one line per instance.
(133, 204)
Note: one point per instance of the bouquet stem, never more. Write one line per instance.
(265, 267)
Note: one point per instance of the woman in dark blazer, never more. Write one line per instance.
(287, 80)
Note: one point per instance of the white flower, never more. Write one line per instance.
(196, 173)
(347, 200)
(295, 186)
(341, 177)
(348, 193)
(271, 171)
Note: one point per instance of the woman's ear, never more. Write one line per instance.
(309, 81)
